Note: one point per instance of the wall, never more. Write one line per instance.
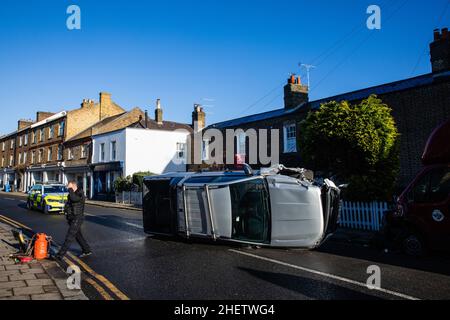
(118, 136)
(152, 150)
(84, 117)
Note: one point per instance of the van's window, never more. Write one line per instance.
(440, 185)
(419, 192)
(250, 211)
(434, 186)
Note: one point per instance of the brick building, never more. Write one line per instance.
(419, 105)
(35, 152)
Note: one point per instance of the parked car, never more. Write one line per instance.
(421, 219)
(48, 198)
(278, 207)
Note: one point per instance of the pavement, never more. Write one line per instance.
(39, 280)
(128, 264)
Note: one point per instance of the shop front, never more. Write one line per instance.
(82, 175)
(103, 178)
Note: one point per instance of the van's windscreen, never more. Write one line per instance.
(217, 179)
(250, 211)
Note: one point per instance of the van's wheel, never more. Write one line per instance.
(414, 245)
(29, 205)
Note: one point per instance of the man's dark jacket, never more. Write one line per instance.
(75, 204)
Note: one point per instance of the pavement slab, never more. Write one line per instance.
(39, 280)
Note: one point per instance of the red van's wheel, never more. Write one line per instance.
(414, 245)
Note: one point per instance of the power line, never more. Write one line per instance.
(339, 64)
(325, 54)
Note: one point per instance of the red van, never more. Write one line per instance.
(421, 219)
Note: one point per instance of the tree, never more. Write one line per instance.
(357, 144)
(138, 178)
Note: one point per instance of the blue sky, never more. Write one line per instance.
(224, 54)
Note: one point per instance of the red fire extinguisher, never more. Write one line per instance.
(41, 246)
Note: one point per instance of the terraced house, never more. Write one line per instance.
(419, 105)
(35, 152)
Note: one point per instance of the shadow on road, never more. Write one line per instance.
(311, 288)
(435, 262)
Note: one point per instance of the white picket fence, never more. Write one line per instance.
(362, 216)
(129, 197)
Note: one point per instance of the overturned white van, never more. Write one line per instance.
(277, 207)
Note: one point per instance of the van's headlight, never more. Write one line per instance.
(399, 211)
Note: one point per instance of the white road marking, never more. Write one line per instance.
(324, 274)
(10, 199)
(23, 201)
(134, 225)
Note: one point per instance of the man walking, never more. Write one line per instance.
(75, 217)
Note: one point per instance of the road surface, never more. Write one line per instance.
(129, 264)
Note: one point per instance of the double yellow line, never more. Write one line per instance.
(93, 275)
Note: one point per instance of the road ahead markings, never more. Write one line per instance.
(324, 274)
(88, 269)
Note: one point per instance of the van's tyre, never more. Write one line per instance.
(414, 245)
(29, 205)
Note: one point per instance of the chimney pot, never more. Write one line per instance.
(291, 79)
(158, 112)
(437, 34)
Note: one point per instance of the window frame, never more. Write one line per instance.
(289, 141)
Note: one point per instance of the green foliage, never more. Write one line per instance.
(131, 182)
(358, 144)
(138, 178)
(123, 184)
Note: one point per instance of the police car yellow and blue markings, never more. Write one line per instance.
(50, 202)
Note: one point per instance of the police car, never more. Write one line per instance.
(47, 198)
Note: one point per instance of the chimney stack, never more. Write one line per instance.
(295, 93)
(41, 115)
(198, 118)
(21, 124)
(146, 119)
(87, 103)
(440, 51)
(158, 112)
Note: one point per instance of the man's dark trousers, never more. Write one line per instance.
(74, 233)
(75, 218)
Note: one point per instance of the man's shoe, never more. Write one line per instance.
(85, 254)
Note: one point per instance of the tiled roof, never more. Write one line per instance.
(166, 125)
(255, 117)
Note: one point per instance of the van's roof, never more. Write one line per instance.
(437, 150)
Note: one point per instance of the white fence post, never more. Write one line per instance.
(363, 216)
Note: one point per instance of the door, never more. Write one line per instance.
(159, 207)
(428, 206)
